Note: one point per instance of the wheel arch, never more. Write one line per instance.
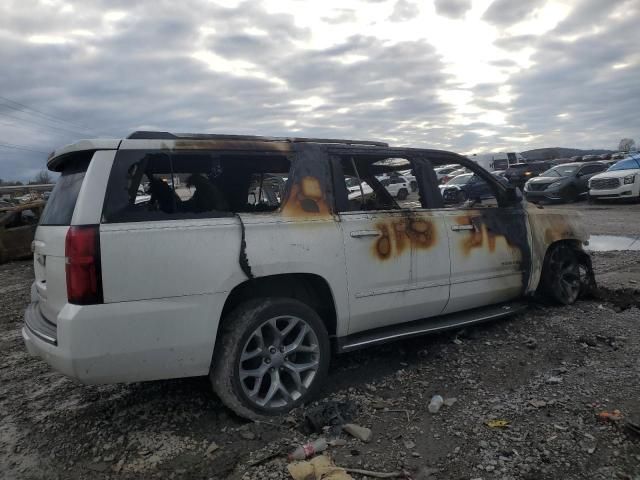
(576, 246)
(309, 288)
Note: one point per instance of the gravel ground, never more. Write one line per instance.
(547, 372)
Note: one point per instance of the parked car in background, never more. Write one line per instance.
(397, 186)
(453, 174)
(17, 228)
(590, 158)
(560, 161)
(442, 172)
(605, 156)
(577, 158)
(621, 180)
(566, 182)
(518, 173)
(619, 155)
(410, 177)
(468, 186)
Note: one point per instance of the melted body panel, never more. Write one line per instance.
(547, 227)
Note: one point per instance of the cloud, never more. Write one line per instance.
(404, 10)
(111, 67)
(452, 8)
(505, 12)
(578, 80)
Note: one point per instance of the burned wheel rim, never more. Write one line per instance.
(279, 362)
(568, 280)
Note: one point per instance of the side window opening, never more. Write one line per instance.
(461, 188)
(374, 183)
(146, 186)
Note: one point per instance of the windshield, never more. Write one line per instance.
(628, 164)
(460, 179)
(560, 171)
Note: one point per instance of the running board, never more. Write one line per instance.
(428, 325)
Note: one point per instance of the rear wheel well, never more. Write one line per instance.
(311, 289)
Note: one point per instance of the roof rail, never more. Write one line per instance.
(151, 135)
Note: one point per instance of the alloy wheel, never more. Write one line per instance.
(278, 362)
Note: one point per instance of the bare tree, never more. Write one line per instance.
(43, 176)
(626, 145)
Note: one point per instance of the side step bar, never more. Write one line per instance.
(428, 325)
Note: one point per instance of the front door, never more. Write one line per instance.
(490, 255)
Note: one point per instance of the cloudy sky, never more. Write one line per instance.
(463, 75)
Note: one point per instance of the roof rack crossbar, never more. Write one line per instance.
(151, 135)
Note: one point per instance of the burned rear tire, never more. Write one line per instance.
(561, 275)
(272, 355)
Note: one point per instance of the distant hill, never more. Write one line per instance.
(559, 152)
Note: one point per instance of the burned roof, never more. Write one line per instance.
(153, 135)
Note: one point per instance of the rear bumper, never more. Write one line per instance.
(128, 341)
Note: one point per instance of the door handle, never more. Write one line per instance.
(458, 228)
(365, 233)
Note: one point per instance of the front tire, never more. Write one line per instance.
(561, 278)
(272, 355)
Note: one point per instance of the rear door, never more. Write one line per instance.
(397, 261)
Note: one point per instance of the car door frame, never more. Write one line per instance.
(515, 230)
(411, 298)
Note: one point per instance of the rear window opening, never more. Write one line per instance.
(147, 186)
(62, 201)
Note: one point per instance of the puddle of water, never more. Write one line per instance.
(608, 243)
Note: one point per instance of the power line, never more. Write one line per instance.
(21, 147)
(28, 120)
(42, 114)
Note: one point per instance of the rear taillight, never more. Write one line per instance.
(82, 252)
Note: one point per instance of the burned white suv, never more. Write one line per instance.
(248, 259)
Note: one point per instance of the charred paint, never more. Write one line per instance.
(225, 144)
(550, 227)
(492, 225)
(306, 199)
(398, 234)
(309, 192)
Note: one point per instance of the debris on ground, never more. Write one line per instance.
(330, 414)
(435, 404)
(363, 434)
(320, 468)
(613, 416)
(497, 423)
(308, 450)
